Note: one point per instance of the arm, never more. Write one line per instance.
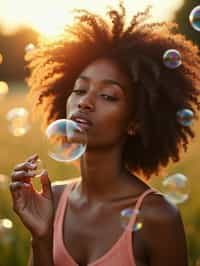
(41, 250)
(164, 234)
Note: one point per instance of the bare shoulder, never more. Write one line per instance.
(58, 188)
(163, 231)
(157, 208)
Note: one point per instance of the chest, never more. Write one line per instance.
(90, 234)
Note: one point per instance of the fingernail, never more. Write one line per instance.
(33, 165)
(27, 185)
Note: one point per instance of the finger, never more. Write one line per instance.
(17, 190)
(33, 157)
(25, 166)
(22, 176)
(16, 187)
(46, 185)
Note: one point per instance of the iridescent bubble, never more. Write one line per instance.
(4, 180)
(1, 58)
(195, 18)
(39, 169)
(6, 231)
(29, 47)
(176, 188)
(125, 216)
(185, 117)
(18, 121)
(66, 140)
(3, 88)
(172, 59)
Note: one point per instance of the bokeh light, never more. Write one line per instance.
(29, 47)
(18, 121)
(3, 89)
(4, 179)
(6, 231)
(1, 58)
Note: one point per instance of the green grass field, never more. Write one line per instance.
(14, 250)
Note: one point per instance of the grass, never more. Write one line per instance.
(13, 150)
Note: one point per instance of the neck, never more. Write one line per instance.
(102, 173)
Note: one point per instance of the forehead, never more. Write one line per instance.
(106, 69)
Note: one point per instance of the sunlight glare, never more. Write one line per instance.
(49, 16)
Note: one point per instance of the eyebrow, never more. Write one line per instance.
(105, 81)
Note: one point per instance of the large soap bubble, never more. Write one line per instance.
(66, 140)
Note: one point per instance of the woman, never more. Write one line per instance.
(112, 79)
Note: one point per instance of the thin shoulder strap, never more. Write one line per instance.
(62, 203)
(137, 207)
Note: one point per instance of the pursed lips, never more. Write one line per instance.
(83, 122)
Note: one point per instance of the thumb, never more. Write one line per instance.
(46, 185)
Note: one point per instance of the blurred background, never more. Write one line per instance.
(21, 24)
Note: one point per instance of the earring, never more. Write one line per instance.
(131, 132)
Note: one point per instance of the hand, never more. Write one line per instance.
(34, 208)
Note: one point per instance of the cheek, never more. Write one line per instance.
(115, 121)
(69, 105)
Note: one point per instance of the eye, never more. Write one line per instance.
(79, 91)
(109, 97)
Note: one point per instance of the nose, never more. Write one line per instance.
(86, 103)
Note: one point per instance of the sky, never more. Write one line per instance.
(49, 16)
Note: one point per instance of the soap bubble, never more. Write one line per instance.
(66, 140)
(176, 188)
(194, 18)
(3, 88)
(18, 119)
(6, 231)
(29, 47)
(172, 59)
(185, 117)
(125, 216)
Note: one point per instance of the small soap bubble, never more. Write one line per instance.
(29, 47)
(18, 121)
(176, 188)
(172, 59)
(6, 231)
(3, 89)
(185, 117)
(125, 216)
(194, 18)
(66, 141)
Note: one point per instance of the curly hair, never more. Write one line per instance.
(138, 46)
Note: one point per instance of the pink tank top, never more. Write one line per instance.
(120, 254)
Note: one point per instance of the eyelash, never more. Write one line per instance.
(108, 97)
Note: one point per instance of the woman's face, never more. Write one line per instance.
(102, 94)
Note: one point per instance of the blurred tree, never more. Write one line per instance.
(182, 18)
(12, 48)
